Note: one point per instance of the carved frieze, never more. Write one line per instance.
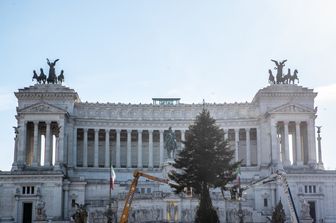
(167, 113)
(292, 108)
(41, 108)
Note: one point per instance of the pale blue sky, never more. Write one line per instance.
(131, 51)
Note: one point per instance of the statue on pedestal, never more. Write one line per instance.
(305, 212)
(170, 143)
(81, 214)
(40, 211)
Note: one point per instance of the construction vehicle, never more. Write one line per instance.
(129, 198)
(281, 176)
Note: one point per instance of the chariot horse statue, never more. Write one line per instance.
(287, 77)
(40, 78)
(52, 78)
(60, 77)
(170, 143)
(279, 67)
(271, 79)
(294, 77)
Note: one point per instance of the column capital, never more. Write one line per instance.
(247, 129)
(161, 130)
(118, 131)
(36, 122)
(139, 131)
(129, 131)
(286, 122)
(60, 122)
(274, 122)
(107, 130)
(150, 131)
(96, 130)
(85, 130)
(48, 122)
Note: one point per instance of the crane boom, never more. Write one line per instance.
(292, 209)
(129, 198)
(279, 175)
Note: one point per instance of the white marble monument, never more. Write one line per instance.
(64, 147)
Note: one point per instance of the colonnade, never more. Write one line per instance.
(39, 143)
(241, 140)
(141, 148)
(297, 135)
(118, 145)
(114, 136)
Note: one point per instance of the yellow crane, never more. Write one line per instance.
(129, 198)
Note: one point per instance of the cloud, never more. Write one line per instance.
(326, 93)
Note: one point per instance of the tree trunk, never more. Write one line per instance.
(205, 212)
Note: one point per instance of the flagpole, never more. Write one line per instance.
(109, 209)
(110, 195)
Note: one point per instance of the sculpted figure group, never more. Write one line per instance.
(282, 78)
(52, 77)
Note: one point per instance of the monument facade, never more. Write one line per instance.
(64, 148)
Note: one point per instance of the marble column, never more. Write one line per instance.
(66, 199)
(48, 152)
(236, 144)
(129, 148)
(298, 148)
(39, 146)
(35, 150)
(118, 148)
(16, 147)
(55, 146)
(60, 144)
(139, 148)
(320, 162)
(107, 148)
(248, 147)
(258, 146)
(85, 150)
(96, 148)
(74, 148)
(275, 143)
(311, 142)
(22, 142)
(287, 160)
(161, 147)
(150, 149)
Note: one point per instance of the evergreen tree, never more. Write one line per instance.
(278, 215)
(205, 163)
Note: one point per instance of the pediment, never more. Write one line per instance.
(291, 108)
(42, 108)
